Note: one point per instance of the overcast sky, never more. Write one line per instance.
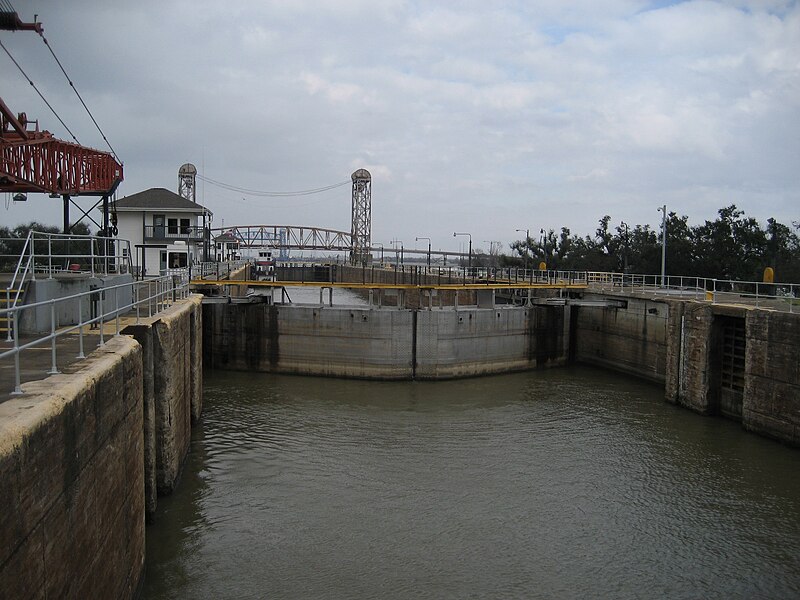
(472, 116)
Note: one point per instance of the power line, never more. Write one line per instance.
(53, 110)
(262, 193)
(72, 85)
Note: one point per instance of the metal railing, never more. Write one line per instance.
(777, 296)
(103, 305)
(186, 233)
(52, 253)
(220, 270)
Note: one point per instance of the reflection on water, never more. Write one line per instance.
(567, 483)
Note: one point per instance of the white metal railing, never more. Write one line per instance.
(51, 253)
(779, 296)
(220, 270)
(139, 298)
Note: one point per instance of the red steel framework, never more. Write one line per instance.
(35, 161)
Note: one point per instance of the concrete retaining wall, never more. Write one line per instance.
(37, 320)
(382, 343)
(632, 340)
(71, 481)
(173, 391)
(768, 399)
(771, 404)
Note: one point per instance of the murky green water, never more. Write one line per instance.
(567, 483)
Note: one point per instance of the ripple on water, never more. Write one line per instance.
(564, 483)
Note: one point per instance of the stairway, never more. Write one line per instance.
(10, 297)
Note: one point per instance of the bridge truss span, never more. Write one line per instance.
(289, 237)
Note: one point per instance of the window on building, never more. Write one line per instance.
(172, 226)
(186, 228)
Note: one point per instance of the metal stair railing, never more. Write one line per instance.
(17, 287)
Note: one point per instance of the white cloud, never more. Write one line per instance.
(477, 115)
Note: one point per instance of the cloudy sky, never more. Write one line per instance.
(472, 116)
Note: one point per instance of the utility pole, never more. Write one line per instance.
(663, 245)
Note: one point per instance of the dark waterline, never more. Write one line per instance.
(567, 483)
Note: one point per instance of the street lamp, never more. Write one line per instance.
(663, 244)
(416, 239)
(469, 263)
(397, 243)
(625, 254)
(543, 244)
(527, 237)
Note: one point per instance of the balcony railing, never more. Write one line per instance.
(173, 233)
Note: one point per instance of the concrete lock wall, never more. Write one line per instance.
(173, 391)
(382, 344)
(485, 341)
(771, 404)
(631, 338)
(308, 340)
(71, 473)
(762, 390)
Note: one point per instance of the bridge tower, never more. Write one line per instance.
(361, 229)
(187, 188)
(187, 178)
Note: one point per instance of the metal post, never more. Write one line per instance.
(8, 305)
(100, 310)
(116, 309)
(91, 253)
(663, 244)
(80, 328)
(17, 389)
(49, 256)
(53, 368)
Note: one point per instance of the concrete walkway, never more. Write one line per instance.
(36, 362)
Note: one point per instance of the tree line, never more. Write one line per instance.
(733, 246)
(12, 243)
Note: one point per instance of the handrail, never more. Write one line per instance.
(11, 285)
(160, 293)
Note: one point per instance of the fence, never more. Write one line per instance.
(134, 298)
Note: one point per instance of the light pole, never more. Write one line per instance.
(381, 245)
(429, 247)
(543, 243)
(397, 256)
(625, 255)
(469, 262)
(527, 237)
(663, 244)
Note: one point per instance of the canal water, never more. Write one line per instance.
(564, 483)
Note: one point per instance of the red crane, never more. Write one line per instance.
(35, 161)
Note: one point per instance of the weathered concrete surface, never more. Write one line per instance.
(382, 344)
(172, 358)
(473, 341)
(691, 384)
(71, 312)
(359, 343)
(71, 467)
(632, 340)
(771, 403)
